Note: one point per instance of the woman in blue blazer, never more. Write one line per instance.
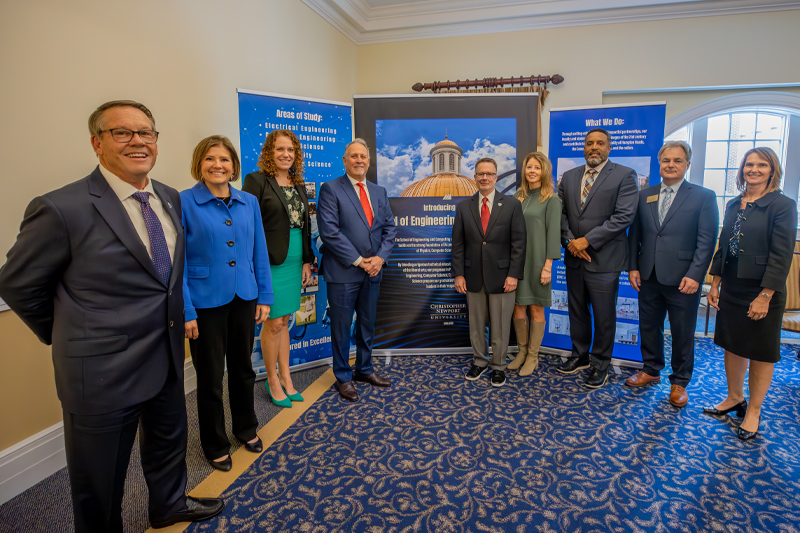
(227, 282)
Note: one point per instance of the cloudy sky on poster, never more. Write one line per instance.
(403, 147)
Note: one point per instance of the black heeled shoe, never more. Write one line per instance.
(224, 465)
(747, 435)
(740, 408)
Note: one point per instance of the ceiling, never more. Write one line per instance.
(380, 21)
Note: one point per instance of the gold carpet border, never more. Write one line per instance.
(216, 483)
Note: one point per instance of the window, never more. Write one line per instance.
(441, 162)
(452, 162)
(719, 141)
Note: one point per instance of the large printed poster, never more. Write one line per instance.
(426, 148)
(637, 133)
(323, 128)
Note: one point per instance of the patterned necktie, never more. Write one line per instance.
(362, 195)
(588, 185)
(158, 244)
(485, 214)
(665, 205)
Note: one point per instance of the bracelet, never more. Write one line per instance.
(765, 295)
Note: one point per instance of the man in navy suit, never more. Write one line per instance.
(598, 202)
(97, 271)
(357, 229)
(671, 241)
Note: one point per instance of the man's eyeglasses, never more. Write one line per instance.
(122, 135)
(486, 174)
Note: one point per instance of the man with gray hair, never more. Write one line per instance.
(671, 243)
(357, 228)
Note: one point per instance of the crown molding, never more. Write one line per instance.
(447, 18)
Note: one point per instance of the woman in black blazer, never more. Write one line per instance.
(751, 265)
(281, 193)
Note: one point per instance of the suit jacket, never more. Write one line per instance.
(345, 233)
(609, 210)
(80, 277)
(766, 242)
(488, 259)
(683, 245)
(275, 216)
(223, 261)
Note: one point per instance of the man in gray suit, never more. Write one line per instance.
(598, 204)
(97, 271)
(671, 244)
(488, 258)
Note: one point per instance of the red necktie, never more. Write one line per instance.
(485, 215)
(362, 195)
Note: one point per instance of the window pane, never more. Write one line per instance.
(743, 126)
(680, 135)
(718, 128)
(715, 180)
(716, 154)
(775, 145)
(769, 127)
(737, 150)
(721, 201)
(731, 183)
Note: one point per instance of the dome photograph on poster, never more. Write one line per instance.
(436, 157)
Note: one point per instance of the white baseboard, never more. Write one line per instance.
(36, 458)
(28, 462)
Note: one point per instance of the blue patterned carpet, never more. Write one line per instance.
(542, 454)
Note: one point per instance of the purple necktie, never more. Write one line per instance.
(158, 244)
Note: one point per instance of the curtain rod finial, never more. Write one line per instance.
(418, 87)
(556, 78)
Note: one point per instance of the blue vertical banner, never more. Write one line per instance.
(637, 133)
(324, 128)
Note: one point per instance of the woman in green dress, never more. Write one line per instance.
(542, 211)
(282, 197)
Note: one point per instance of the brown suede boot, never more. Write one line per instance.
(534, 342)
(521, 327)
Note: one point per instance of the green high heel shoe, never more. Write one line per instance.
(294, 397)
(286, 402)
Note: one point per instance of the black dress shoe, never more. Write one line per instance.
(196, 510)
(740, 408)
(747, 435)
(224, 465)
(573, 364)
(348, 391)
(373, 379)
(255, 447)
(596, 379)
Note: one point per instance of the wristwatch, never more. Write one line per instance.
(765, 295)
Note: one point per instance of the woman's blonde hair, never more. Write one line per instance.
(202, 149)
(770, 157)
(548, 187)
(266, 162)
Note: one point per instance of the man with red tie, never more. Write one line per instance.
(357, 228)
(487, 258)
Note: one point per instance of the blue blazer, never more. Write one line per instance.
(683, 245)
(345, 233)
(226, 253)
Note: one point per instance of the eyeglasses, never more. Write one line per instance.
(486, 174)
(122, 135)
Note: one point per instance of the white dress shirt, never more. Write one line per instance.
(661, 194)
(124, 192)
(489, 204)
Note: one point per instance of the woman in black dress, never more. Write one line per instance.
(750, 268)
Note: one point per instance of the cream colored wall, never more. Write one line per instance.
(184, 59)
(708, 51)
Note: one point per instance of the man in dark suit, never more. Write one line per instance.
(488, 258)
(97, 272)
(671, 244)
(357, 228)
(598, 204)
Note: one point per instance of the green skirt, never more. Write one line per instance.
(287, 278)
